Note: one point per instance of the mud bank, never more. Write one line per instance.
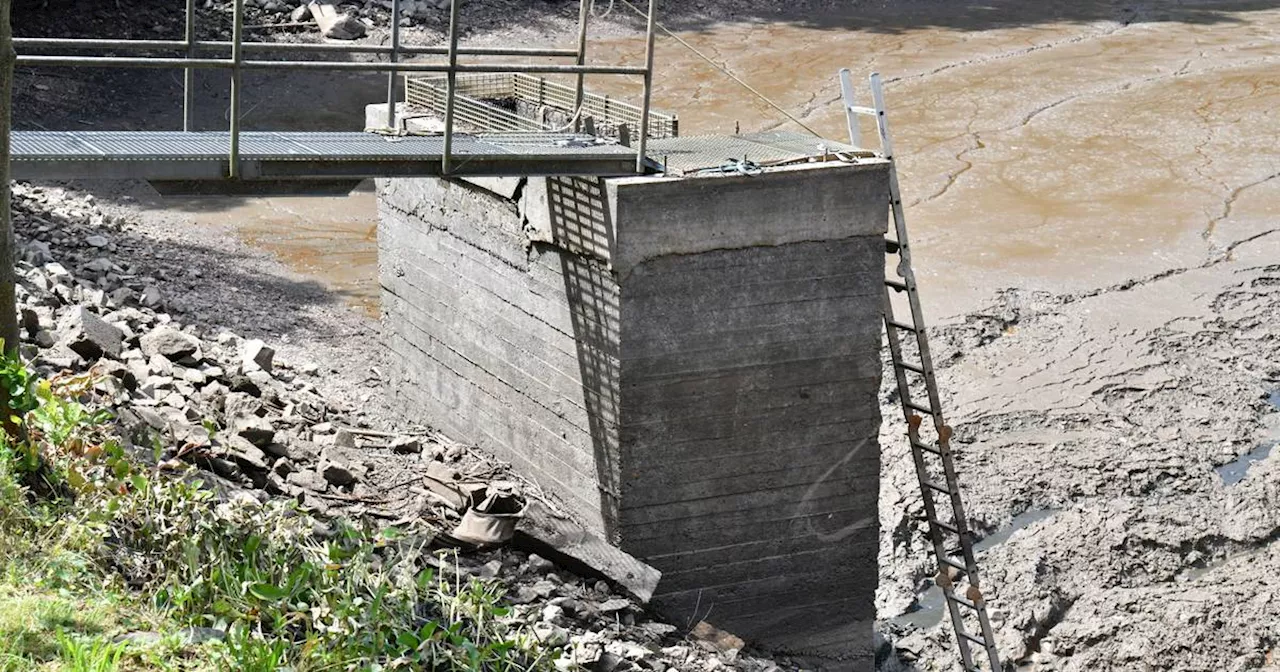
(1115, 407)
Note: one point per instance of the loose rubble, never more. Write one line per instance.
(259, 425)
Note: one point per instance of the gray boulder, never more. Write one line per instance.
(171, 343)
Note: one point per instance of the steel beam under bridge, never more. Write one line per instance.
(202, 156)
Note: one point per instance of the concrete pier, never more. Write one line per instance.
(689, 364)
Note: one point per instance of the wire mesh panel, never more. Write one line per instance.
(474, 90)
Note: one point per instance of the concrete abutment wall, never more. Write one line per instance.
(691, 365)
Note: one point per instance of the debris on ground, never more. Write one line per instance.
(259, 424)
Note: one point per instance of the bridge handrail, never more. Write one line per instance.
(237, 63)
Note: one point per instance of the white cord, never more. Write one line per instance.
(607, 12)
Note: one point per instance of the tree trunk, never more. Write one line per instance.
(8, 304)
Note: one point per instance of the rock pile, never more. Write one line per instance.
(228, 405)
(216, 400)
(602, 630)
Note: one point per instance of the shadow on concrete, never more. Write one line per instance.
(580, 225)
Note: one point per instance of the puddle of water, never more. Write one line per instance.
(332, 239)
(931, 606)
(1233, 472)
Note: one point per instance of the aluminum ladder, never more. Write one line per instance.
(932, 457)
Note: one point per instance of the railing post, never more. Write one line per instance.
(189, 74)
(451, 82)
(584, 12)
(648, 88)
(395, 58)
(237, 40)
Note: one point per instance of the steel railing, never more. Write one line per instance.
(194, 56)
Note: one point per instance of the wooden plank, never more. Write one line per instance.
(572, 546)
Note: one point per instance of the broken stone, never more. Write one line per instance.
(406, 445)
(151, 297)
(276, 450)
(344, 439)
(97, 241)
(30, 320)
(241, 383)
(261, 379)
(283, 467)
(346, 27)
(169, 342)
(257, 356)
(300, 13)
(254, 429)
(338, 474)
(615, 604)
(309, 480)
(718, 639)
(160, 365)
(90, 336)
(246, 454)
(45, 338)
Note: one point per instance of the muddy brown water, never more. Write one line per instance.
(1062, 152)
(330, 238)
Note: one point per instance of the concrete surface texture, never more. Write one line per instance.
(691, 365)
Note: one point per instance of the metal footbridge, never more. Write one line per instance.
(203, 155)
(242, 156)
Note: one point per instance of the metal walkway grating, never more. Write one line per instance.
(712, 152)
(178, 155)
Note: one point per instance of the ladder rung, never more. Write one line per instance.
(953, 564)
(917, 407)
(911, 367)
(976, 640)
(948, 527)
(939, 488)
(927, 448)
(895, 284)
(962, 602)
(858, 109)
(902, 326)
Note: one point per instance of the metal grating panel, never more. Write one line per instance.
(713, 151)
(428, 92)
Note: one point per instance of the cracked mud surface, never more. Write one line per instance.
(1058, 149)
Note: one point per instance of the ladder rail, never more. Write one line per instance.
(906, 272)
(948, 569)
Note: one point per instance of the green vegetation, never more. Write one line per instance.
(94, 546)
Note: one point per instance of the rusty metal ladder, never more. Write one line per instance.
(932, 458)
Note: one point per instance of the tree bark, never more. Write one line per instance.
(8, 304)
